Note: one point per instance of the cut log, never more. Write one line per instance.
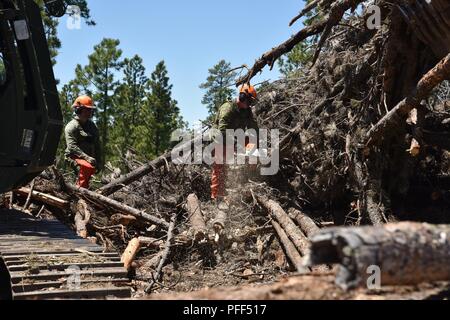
(198, 225)
(295, 234)
(82, 218)
(399, 113)
(151, 242)
(122, 219)
(306, 224)
(291, 252)
(130, 253)
(404, 253)
(117, 205)
(43, 197)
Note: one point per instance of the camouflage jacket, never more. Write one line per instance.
(230, 116)
(83, 141)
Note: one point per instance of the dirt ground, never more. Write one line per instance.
(311, 287)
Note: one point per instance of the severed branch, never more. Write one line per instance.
(269, 58)
(43, 197)
(130, 252)
(310, 6)
(398, 114)
(196, 219)
(165, 254)
(295, 234)
(404, 253)
(306, 224)
(118, 206)
(289, 248)
(27, 202)
(82, 218)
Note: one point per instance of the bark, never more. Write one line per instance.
(130, 252)
(398, 114)
(198, 225)
(82, 218)
(294, 233)
(406, 253)
(291, 252)
(305, 223)
(118, 206)
(220, 220)
(122, 219)
(43, 197)
(165, 253)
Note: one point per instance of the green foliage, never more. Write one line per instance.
(133, 112)
(296, 59)
(98, 79)
(294, 62)
(130, 105)
(164, 115)
(218, 86)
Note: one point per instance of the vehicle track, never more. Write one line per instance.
(44, 259)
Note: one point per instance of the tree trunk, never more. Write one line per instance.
(118, 206)
(198, 225)
(405, 253)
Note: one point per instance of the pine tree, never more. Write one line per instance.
(98, 80)
(130, 102)
(164, 114)
(218, 87)
(67, 95)
(298, 58)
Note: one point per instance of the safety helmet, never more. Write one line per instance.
(84, 102)
(249, 90)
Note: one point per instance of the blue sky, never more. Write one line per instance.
(191, 36)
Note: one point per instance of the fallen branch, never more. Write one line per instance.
(82, 218)
(269, 58)
(198, 225)
(117, 205)
(130, 252)
(306, 224)
(399, 113)
(43, 197)
(295, 234)
(289, 248)
(27, 202)
(165, 254)
(405, 253)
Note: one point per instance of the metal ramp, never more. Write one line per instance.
(43, 259)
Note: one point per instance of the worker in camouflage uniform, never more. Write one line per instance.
(232, 115)
(83, 144)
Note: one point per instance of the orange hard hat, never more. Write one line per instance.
(84, 102)
(248, 89)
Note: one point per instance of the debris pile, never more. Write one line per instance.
(364, 140)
